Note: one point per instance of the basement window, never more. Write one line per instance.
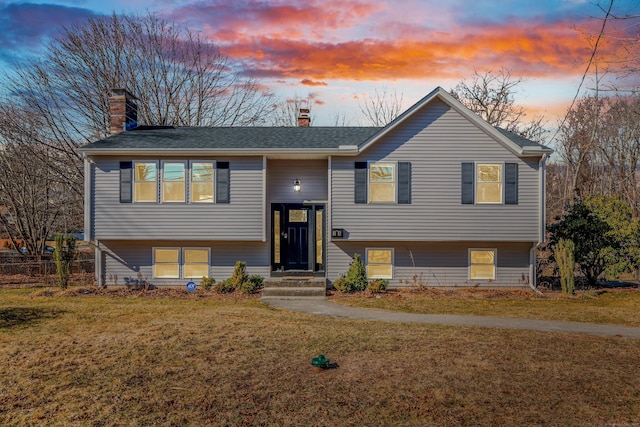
(379, 263)
(482, 264)
(196, 262)
(166, 263)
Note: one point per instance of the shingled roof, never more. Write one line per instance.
(234, 138)
(289, 140)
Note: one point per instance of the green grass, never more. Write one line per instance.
(609, 307)
(191, 360)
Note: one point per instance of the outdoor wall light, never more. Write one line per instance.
(296, 185)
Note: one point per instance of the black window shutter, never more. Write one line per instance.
(222, 182)
(360, 185)
(404, 183)
(468, 175)
(510, 183)
(126, 188)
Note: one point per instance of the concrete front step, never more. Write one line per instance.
(295, 283)
(292, 288)
(294, 292)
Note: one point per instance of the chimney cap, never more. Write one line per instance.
(122, 92)
(304, 113)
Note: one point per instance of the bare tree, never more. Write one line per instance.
(60, 103)
(599, 145)
(617, 50)
(30, 199)
(382, 107)
(285, 112)
(491, 95)
(578, 147)
(178, 78)
(33, 197)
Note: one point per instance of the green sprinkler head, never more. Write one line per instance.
(320, 361)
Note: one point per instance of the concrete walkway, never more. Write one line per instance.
(326, 308)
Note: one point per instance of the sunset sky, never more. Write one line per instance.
(337, 52)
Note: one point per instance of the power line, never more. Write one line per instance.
(586, 71)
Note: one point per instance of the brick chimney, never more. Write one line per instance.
(123, 111)
(304, 119)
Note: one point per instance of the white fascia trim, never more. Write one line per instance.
(264, 198)
(209, 152)
(88, 232)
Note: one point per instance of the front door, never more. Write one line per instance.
(297, 237)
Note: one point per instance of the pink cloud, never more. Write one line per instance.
(307, 82)
(529, 50)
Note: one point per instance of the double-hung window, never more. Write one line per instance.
(173, 182)
(382, 182)
(202, 182)
(196, 262)
(379, 263)
(176, 263)
(489, 183)
(166, 263)
(145, 187)
(482, 264)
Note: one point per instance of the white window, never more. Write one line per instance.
(489, 180)
(166, 263)
(173, 182)
(176, 263)
(145, 187)
(202, 184)
(196, 262)
(482, 264)
(379, 263)
(382, 182)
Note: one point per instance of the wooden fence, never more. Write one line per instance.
(19, 270)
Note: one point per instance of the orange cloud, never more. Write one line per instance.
(307, 82)
(534, 50)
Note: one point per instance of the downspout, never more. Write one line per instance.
(532, 269)
(98, 265)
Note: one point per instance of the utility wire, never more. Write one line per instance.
(586, 71)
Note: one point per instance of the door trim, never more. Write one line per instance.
(278, 248)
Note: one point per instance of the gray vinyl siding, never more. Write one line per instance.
(128, 258)
(438, 264)
(313, 176)
(311, 173)
(241, 219)
(436, 140)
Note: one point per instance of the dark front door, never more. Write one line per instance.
(297, 237)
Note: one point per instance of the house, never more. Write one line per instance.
(436, 197)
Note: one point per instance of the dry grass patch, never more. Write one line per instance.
(130, 360)
(612, 306)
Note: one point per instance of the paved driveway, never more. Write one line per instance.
(326, 308)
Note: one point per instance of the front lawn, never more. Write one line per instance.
(178, 359)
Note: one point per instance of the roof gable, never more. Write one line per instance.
(518, 145)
